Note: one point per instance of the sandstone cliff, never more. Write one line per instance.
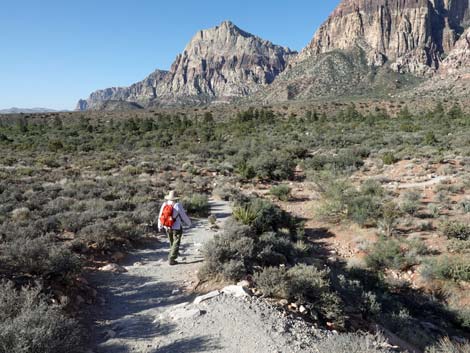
(218, 64)
(411, 35)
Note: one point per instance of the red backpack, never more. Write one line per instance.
(166, 219)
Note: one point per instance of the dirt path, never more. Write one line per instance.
(145, 308)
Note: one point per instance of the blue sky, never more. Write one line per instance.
(54, 52)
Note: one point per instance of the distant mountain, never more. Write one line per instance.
(26, 110)
(375, 47)
(217, 65)
(366, 48)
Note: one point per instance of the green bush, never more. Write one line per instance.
(455, 230)
(354, 343)
(447, 346)
(302, 284)
(389, 158)
(28, 324)
(411, 203)
(389, 221)
(262, 215)
(448, 268)
(273, 166)
(229, 255)
(39, 256)
(341, 200)
(245, 214)
(197, 205)
(390, 253)
(281, 192)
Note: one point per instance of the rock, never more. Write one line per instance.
(184, 313)
(237, 291)
(244, 284)
(79, 300)
(207, 296)
(302, 309)
(422, 32)
(113, 268)
(118, 256)
(110, 334)
(218, 64)
(82, 280)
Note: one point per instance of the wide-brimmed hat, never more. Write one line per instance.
(171, 196)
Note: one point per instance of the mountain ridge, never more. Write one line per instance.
(217, 65)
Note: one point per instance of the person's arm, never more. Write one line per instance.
(159, 216)
(183, 215)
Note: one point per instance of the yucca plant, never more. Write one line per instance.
(245, 214)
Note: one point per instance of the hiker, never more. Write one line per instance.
(171, 218)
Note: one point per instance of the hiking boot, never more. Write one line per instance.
(173, 262)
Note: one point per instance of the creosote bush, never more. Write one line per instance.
(390, 253)
(355, 343)
(303, 284)
(29, 324)
(447, 346)
(456, 268)
(455, 230)
(196, 205)
(281, 192)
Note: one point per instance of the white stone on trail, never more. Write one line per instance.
(184, 313)
(207, 296)
(237, 291)
(113, 268)
(244, 284)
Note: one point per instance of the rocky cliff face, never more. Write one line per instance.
(411, 35)
(459, 56)
(217, 65)
(141, 92)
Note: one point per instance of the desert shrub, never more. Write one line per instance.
(197, 205)
(390, 216)
(434, 210)
(410, 204)
(273, 165)
(275, 249)
(39, 256)
(272, 281)
(108, 233)
(241, 247)
(344, 161)
(225, 192)
(354, 343)
(230, 254)
(455, 230)
(343, 201)
(29, 324)
(458, 246)
(447, 346)
(20, 214)
(262, 215)
(281, 192)
(390, 253)
(448, 268)
(304, 284)
(465, 205)
(245, 214)
(389, 158)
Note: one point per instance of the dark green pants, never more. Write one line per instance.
(174, 235)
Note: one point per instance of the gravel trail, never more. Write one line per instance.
(148, 310)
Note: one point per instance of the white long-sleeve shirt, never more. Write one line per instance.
(179, 214)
